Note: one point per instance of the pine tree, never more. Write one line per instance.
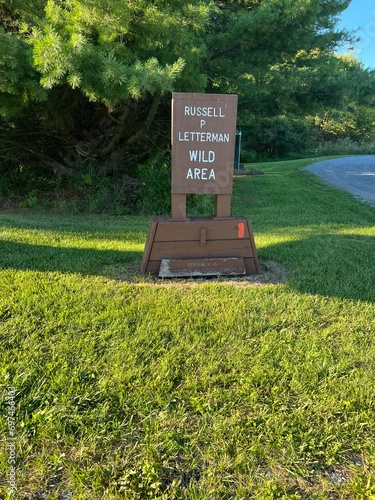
(92, 73)
(92, 79)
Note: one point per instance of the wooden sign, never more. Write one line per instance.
(203, 142)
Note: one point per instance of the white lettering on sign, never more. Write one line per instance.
(204, 111)
(203, 137)
(202, 156)
(201, 174)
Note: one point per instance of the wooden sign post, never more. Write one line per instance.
(203, 142)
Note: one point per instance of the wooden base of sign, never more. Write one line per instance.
(200, 246)
(187, 268)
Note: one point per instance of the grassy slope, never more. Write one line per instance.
(135, 389)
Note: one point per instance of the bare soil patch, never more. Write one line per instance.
(271, 273)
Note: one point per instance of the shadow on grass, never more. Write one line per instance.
(334, 265)
(330, 265)
(23, 256)
(340, 266)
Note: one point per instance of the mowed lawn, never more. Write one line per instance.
(128, 387)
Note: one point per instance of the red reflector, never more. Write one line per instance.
(241, 230)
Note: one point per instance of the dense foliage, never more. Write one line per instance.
(85, 85)
(294, 89)
(86, 77)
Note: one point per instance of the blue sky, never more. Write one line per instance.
(361, 14)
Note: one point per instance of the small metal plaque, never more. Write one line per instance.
(180, 268)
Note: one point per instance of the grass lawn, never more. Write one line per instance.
(133, 388)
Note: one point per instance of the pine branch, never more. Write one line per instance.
(119, 130)
(147, 123)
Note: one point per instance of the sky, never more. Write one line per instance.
(361, 15)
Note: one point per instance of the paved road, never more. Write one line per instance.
(355, 174)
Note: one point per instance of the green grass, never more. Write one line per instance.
(132, 388)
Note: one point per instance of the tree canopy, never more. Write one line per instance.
(92, 79)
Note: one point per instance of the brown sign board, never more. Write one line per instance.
(203, 141)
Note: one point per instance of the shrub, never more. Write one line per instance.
(344, 146)
(277, 137)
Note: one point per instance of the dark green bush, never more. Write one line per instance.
(155, 177)
(276, 137)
